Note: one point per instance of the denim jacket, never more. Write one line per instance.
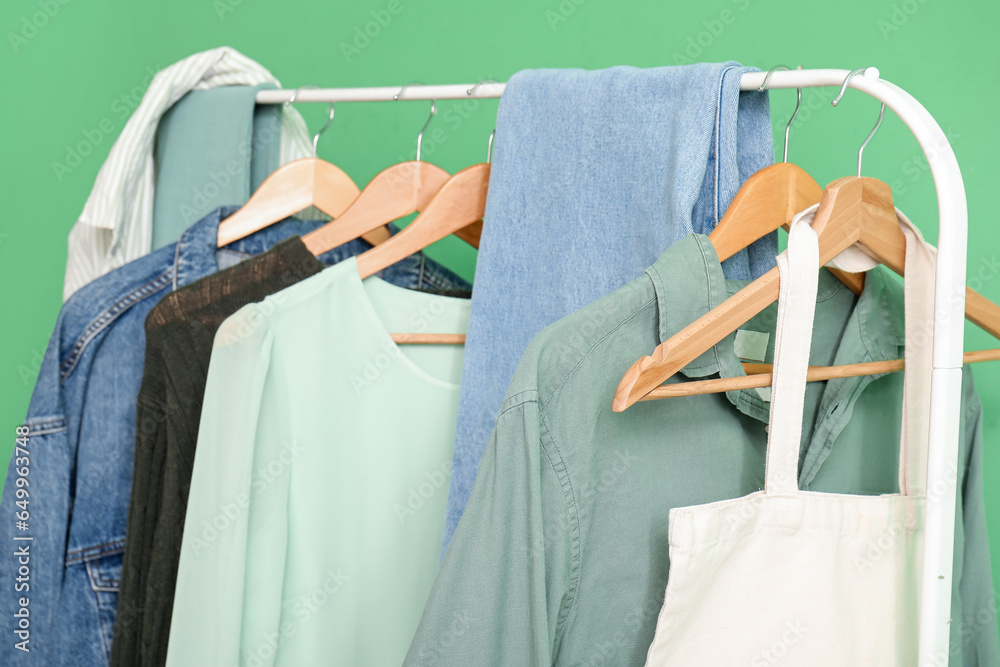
(76, 462)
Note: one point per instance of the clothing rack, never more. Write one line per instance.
(949, 304)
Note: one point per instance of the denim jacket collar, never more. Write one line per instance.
(197, 254)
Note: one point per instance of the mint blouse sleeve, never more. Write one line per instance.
(206, 619)
(506, 580)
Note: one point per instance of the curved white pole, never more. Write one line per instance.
(949, 333)
(949, 305)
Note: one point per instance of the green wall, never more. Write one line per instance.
(69, 67)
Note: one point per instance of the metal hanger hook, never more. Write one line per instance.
(868, 72)
(489, 147)
(767, 77)
(798, 105)
(402, 90)
(472, 91)
(321, 131)
(420, 135)
(291, 100)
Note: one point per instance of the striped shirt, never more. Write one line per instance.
(116, 225)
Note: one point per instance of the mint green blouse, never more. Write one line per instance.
(318, 494)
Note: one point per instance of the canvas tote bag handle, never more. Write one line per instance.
(798, 269)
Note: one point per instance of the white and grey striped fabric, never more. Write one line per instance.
(116, 225)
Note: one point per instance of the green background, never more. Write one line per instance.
(88, 58)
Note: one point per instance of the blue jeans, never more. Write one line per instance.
(594, 175)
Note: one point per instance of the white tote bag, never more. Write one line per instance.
(790, 577)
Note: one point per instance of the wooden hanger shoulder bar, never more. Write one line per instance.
(759, 375)
(849, 206)
(460, 202)
(395, 192)
(854, 210)
(292, 188)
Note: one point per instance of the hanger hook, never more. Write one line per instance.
(420, 135)
(767, 77)
(321, 131)
(489, 144)
(472, 91)
(291, 100)
(798, 105)
(868, 72)
(295, 93)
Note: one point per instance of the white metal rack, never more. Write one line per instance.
(949, 308)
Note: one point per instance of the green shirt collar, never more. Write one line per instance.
(688, 282)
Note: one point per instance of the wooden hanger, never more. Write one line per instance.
(766, 202)
(395, 192)
(759, 375)
(769, 199)
(459, 203)
(292, 188)
(853, 210)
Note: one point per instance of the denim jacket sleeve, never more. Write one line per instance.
(81, 434)
(37, 501)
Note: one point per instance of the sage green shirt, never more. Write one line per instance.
(561, 556)
(317, 501)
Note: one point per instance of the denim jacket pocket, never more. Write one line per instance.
(103, 564)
